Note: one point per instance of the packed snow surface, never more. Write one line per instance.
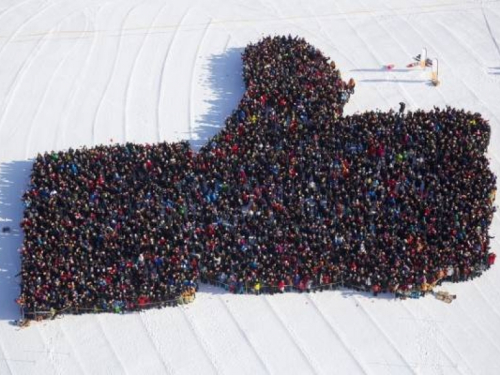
(87, 72)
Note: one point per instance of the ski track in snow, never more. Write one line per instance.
(462, 43)
(74, 351)
(100, 325)
(49, 344)
(244, 335)
(22, 25)
(160, 103)
(153, 338)
(5, 360)
(54, 75)
(112, 75)
(69, 107)
(11, 91)
(294, 338)
(134, 66)
(11, 9)
(225, 328)
(12, 36)
(335, 332)
(200, 339)
(490, 32)
(384, 334)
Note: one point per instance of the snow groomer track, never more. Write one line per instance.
(75, 73)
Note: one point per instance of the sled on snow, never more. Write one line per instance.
(445, 296)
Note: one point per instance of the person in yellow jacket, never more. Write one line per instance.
(492, 196)
(256, 287)
(351, 85)
(425, 288)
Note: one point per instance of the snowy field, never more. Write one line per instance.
(86, 72)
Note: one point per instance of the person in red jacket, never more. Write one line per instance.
(491, 259)
(281, 286)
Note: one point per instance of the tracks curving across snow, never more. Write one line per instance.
(42, 103)
(159, 102)
(490, 32)
(111, 75)
(134, 65)
(76, 85)
(20, 74)
(35, 15)
(10, 9)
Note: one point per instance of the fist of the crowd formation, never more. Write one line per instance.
(290, 194)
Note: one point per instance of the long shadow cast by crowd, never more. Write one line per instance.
(226, 83)
(14, 177)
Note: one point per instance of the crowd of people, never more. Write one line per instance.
(289, 194)
(105, 229)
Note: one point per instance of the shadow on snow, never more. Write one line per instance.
(226, 83)
(14, 178)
